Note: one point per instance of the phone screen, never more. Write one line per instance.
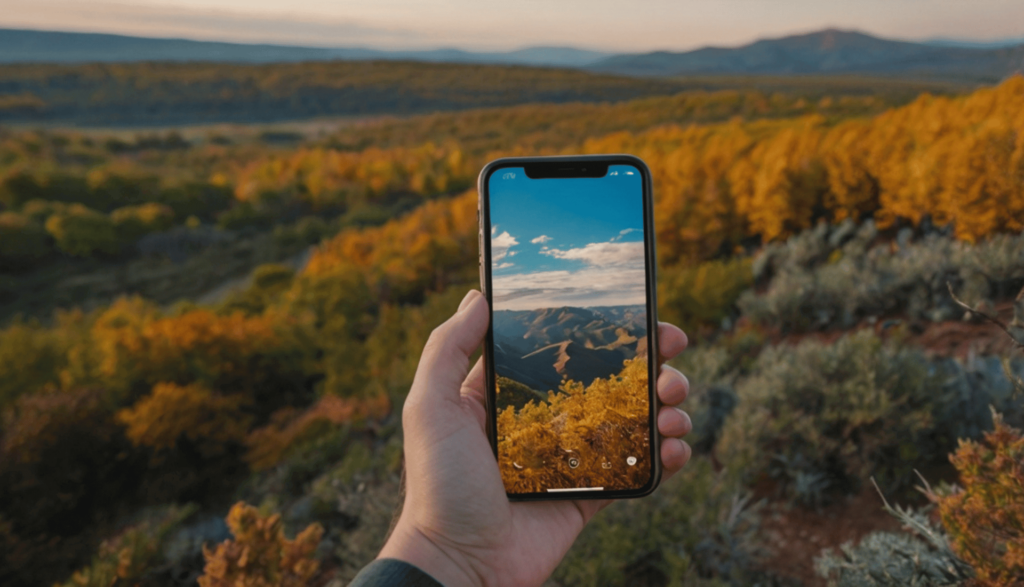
(570, 297)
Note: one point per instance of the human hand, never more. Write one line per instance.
(457, 523)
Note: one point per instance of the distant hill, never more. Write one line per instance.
(827, 52)
(28, 46)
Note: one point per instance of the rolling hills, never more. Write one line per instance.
(829, 51)
(30, 46)
(538, 348)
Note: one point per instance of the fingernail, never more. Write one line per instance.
(466, 300)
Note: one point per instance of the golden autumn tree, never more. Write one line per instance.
(192, 414)
(260, 555)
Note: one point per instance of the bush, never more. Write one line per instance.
(188, 417)
(133, 222)
(702, 296)
(287, 430)
(61, 458)
(262, 358)
(40, 210)
(888, 559)
(309, 230)
(82, 232)
(813, 414)
(126, 558)
(260, 554)
(269, 283)
(244, 215)
(832, 277)
(695, 530)
(23, 243)
(985, 519)
(31, 357)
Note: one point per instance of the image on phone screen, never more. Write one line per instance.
(569, 303)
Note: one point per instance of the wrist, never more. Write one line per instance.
(448, 567)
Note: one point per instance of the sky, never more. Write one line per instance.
(614, 26)
(567, 242)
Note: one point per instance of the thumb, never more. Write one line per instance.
(445, 360)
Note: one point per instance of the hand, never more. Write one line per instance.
(457, 524)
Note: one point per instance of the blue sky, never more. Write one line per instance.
(567, 242)
(609, 25)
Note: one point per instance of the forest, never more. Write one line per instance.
(163, 94)
(196, 318)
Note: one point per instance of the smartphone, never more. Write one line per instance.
(567, 264)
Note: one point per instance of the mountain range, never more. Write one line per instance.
(28, 46)
(830, 51)
(538, 348)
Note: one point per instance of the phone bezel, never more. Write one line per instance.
(654, 362)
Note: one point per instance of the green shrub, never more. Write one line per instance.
(702, 296)
(835, 414)
(82, 232)
(269, 283)
(833, 277)
(61, 458)
(31, 356)
(244, 215)
(695, 530)
(126, 558)
(23, 243)
(194, 198)
(133, 222)
(309, 230)
(40, 210)
(888, 559)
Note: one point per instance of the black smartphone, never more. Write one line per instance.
(567, 263)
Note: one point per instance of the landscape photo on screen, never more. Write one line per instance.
(569, 297)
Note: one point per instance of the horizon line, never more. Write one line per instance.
(931, 40)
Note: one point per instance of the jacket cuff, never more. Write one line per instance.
(390, 572)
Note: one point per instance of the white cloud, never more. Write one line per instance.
(494, 230)
(593, 286)
(503, 266)
(623, 233)
(501, 244)
(541, 239)
(611, 254)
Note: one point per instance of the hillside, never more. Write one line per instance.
(538, 348)
(30, 46)
(827, 52)
(188, 93)
(807, 246)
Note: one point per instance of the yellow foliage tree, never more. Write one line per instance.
(192, 413)
(260, 555)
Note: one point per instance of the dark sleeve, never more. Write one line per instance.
(389, 572)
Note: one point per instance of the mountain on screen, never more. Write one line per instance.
(540, 348)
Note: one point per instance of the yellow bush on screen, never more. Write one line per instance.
(605, 422)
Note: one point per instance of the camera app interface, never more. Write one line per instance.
(570, 331)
